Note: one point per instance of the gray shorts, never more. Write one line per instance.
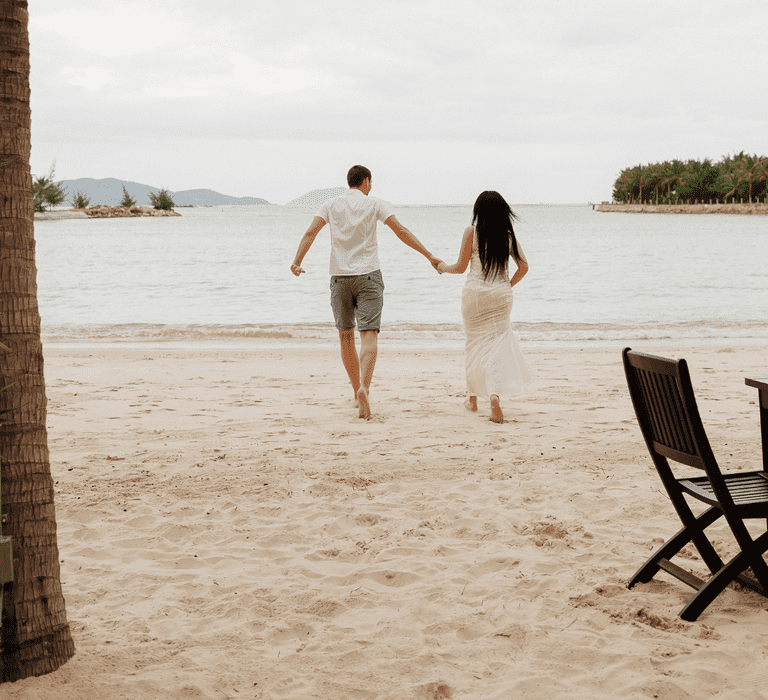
(358, 296)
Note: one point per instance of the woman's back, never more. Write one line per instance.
(476, 274)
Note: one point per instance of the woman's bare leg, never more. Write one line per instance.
(496, 414)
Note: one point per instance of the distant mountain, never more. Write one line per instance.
(109, 191)
(315, 198)
(200, 198)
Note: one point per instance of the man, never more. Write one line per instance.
(357, 287)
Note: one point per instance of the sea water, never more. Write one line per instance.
(221, 276)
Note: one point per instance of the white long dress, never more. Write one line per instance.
(494, 362)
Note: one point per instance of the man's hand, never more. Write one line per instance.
(306, 243)
(435, 262)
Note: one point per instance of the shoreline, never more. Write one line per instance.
(403, 334)
(752, 209)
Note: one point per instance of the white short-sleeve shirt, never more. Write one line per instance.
(352, 218)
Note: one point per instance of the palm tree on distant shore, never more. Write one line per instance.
(35, 635)
(642, 179)
(761, 175)
(694, 180)
(670, 175)
(747, 170)
(626, 184)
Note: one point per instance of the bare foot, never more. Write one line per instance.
(364, 406)
(471, 403)
(496, 415)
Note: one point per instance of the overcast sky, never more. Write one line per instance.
(543, 101)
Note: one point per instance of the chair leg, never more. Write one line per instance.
(750, 556)
(713, 588)
(760, 570)
(753, 551)
(693, 532)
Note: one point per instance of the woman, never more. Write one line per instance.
(495, 366)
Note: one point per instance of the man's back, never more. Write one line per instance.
(352, 218)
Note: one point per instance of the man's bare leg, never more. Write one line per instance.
(471, 403)
(350, 359)
(496, 415)
(369, 347)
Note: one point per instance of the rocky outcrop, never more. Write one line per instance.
(102, 211)
(684, 208)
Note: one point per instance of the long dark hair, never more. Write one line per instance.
(492, 218)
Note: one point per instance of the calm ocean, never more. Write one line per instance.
(220, 276)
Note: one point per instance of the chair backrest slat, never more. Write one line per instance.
(679, 436)
(666, 409)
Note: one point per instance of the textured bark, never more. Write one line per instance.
(35, 636)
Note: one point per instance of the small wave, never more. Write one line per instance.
(142, 333)
(407, 334)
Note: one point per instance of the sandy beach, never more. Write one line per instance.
(228, 528)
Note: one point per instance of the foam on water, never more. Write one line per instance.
(405, 334)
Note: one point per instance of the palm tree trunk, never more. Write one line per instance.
(35, 636)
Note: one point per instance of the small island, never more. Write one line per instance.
(101, 211)
(734, 185)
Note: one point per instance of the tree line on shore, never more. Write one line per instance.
(738, 178)
(46, 192)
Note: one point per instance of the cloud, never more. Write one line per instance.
(91, 79)
(113, 29)
(608, 75)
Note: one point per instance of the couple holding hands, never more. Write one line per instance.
(495, 366)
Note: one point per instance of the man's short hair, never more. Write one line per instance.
(357, 175)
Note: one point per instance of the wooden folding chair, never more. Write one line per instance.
(669, 419)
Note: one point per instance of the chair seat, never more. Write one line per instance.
(749, 491)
